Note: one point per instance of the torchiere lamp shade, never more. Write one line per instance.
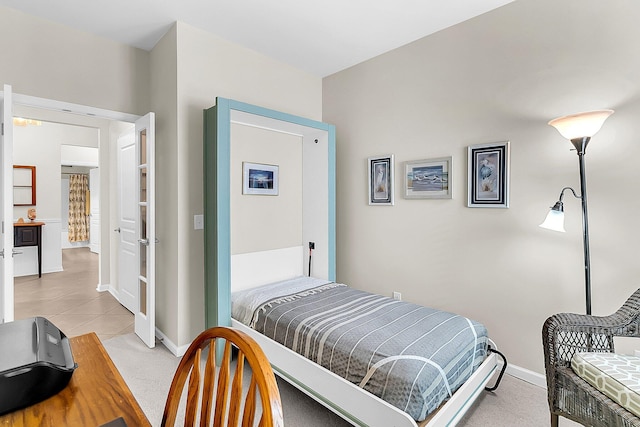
(580, 125)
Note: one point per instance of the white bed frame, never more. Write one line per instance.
(347, 400)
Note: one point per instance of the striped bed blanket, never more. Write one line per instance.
(411, 356)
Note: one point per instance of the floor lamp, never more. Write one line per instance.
(577, 128)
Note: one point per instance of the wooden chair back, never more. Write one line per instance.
(217, 394)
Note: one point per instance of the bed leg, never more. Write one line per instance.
(504, 368)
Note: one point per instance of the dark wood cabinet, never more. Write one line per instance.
(29, 234)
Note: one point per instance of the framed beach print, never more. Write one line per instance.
(428, 179)
(488, 175)
(380, 180)
(259, 179)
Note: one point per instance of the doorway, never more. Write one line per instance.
(66, 294)
(145, 131)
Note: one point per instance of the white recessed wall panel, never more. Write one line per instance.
(265, 222)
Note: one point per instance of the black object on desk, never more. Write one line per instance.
(29, 234)
(118, 422)
(35, 362)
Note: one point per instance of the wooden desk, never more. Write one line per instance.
(29, 234)
(95, 395)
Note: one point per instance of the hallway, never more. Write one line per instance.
(70, 301)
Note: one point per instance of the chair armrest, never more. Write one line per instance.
(565, 334)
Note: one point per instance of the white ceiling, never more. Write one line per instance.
(319, 36)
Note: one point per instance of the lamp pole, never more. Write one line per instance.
(581, 147)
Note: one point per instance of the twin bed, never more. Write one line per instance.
(371, 359)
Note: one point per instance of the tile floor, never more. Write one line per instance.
(70, 301)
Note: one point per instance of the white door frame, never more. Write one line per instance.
(68, 108)
(7, 291)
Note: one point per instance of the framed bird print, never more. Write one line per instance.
(488, 175)
(380, 186)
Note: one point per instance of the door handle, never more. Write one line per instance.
(13, 252)
(117, 229)
(144, 242)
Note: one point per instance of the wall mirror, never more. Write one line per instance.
(24, 185)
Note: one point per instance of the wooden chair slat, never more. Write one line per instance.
(249, 414)
(193, 392)
(222, 392)
(236, 391)
(208, 386)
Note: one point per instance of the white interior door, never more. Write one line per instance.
(94, 203)
(6, 198)
(127, 224)
(145, 313)
(136, 253)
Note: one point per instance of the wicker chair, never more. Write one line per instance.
(565, 334)
(228, 407)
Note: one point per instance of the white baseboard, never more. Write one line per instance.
(34, 272)
(30, 267)
(114, 292)
(103, 288)
(177, 351)
(526, 375)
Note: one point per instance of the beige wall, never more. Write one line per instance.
(498, 77)
(48, 60)
(164, 93)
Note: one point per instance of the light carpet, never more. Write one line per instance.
(148, 373)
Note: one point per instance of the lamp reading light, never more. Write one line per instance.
(555, 218)
(578, 128)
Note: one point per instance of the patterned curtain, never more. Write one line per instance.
(78, 203)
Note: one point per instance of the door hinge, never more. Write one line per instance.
(2, 128)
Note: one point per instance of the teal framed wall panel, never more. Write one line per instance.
(217, 196)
